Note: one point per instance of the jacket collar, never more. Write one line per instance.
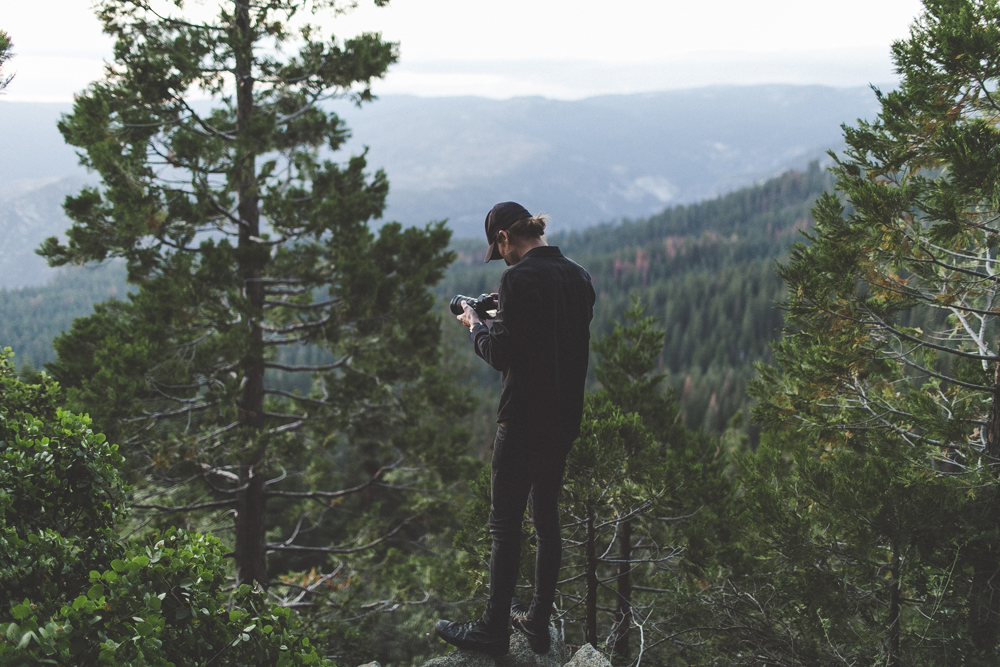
(543, 251)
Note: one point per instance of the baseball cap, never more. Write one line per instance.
(501, 217)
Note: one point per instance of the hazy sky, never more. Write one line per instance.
(556, 48)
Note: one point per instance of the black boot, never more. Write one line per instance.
(476, 636)
(535, 629)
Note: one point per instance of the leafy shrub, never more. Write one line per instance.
(159, 605)
(71, 594)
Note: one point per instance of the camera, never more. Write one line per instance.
(485, 306)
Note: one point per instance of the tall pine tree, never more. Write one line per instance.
(892, 350)
(244, 238)
(5, 55)
(647, 505)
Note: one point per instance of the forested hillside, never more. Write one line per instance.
(34, 316)
(168, 496)
(706, 270)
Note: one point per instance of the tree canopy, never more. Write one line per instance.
(243, 238)
(890, 364)
(5, 55)
(72, 592)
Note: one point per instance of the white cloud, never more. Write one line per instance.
(556, 48)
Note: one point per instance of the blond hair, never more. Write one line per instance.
(529, 228)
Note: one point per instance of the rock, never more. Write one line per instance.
(520, 655)
(371, 664)
(588, 656)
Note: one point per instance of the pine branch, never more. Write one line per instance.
(295, 369)
(187, 508)
(273, 547)
(301, 399)
(330, 495)
(170, 413)
(304, 326)
(287, 427)
(302, 306)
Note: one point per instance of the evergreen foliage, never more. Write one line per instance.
(240, 238)
(5, 54)
(718, 311)
(35, 316)
(610, 480)
(875, 495)
(758, 216)
(647, 510)
(853, 555)
(271, 368)
(71, 593)
(714, 297)
(660, 530)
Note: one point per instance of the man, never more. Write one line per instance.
(540, 341)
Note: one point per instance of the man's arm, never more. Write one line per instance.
(496, 344)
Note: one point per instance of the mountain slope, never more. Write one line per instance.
(584, 162)
(594, 160)
(31, 211)
(705, 270)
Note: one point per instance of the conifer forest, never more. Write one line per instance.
(241, 427)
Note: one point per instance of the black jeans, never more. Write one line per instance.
(524, 468)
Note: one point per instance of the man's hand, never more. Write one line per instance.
(468, 316)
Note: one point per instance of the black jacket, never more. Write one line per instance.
(540, 341)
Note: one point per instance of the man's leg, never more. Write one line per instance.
(509, 489)
(533, 620)
(510, 485)
(545, 516)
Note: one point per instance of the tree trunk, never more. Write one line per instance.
(984, 598)
(895, 608)
(624, 582)
(251, 564)
(249, 552)
(590, 604)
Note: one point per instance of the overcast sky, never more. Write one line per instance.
(556, 48)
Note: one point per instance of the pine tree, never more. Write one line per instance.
(610, 479)
(627, 380)
(647, 502)
(244, 238)
(5, 55)
(892, 349)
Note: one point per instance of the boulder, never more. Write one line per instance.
(520, 655)
(588, 656)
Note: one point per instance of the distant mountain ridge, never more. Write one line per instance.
(584, 162)
(705, 270)
(598, 159)
(31, 211)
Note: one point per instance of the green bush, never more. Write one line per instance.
(72, 594)
(163, 604)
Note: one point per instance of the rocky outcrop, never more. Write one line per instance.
(521, 655)
(588, 656)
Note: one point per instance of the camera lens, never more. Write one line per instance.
(456, 304)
